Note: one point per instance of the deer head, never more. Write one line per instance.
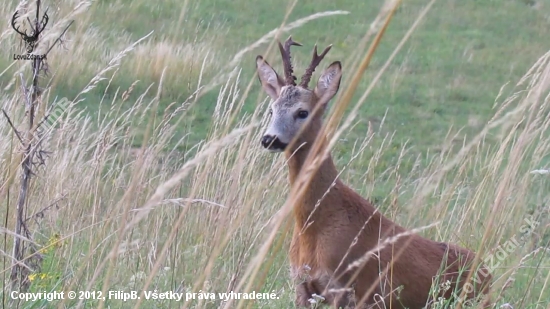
(30, 38)
(292, 104)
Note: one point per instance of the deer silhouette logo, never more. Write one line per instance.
(32, 38)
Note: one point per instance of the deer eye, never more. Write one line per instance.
(303, 114)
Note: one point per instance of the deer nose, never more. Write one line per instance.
(267, 140)
(273, 143)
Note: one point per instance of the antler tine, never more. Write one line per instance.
(290, 79)
(13, 20)
(315, 60)
(44, 20)
(42, 25)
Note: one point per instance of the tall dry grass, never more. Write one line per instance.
(111, 216)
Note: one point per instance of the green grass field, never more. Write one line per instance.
(148, 186)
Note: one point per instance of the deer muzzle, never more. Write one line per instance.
(273, 143)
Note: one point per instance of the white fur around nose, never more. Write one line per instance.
(279, 127)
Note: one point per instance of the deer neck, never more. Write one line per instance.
(325, 176)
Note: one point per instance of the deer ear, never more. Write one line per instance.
(271, 82)
(328, 83)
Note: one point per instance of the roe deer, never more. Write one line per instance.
(335, 226)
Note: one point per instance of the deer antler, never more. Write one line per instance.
(43, 23)
(13, 24)
(315, 60)
(290, 79)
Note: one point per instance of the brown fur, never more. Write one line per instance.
(323, 235)
(331, 230)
